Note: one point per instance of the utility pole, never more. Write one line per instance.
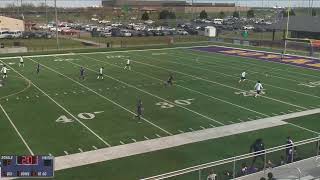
(287, 28)
(56, 14)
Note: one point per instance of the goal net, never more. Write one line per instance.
(305, 47)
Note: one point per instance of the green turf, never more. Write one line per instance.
(203, 96)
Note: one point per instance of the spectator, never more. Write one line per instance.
(270, 176)
(289, 149)
(244, 169)
(258, 148)
(262, 178)
(212, 176)
(269, 164)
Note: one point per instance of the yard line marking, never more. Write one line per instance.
(149, 76)
(211, 125)
(191, 129)
(221, 84)
(231, 122)
(98, 112)
(290, 111)
(315, 132)
(228, 75)
(146, 137)
(63, 108)
(298, 109)
(80, 149)
(258, 117)
(250, 119)
(156, 96)
(180, 131)
(283, 113)
(312, 107)
(66, 152)
(122, 142)
(202, 127)
(158, 135)
(274, 114)
(65, 93)
(240, 120)
(113, 102)
(134, 140)
(16, 129)
(94, 147)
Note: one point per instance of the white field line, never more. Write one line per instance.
(207, 80)
(245, 64)
(228, 75)
(227, 65)
(17, 131)
(63, 108)
(146, 92)
(306, 129)
(116, 152)
(204, 94)
(89, 89)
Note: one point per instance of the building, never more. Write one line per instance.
(300, 26)
(11, 24)
(181, 6)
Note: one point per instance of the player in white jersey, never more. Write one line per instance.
(100, 75)
(243, 76)
(4, 71)
(21, 63)
(128, 65)
(258, 87)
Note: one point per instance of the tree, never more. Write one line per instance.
(222, 14)
(236, 14)
(165, 14)
(291, 13)
(250, 13)
(145, 16)
(203, 14)
(313, 12)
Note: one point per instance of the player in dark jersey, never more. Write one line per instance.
(82, 73)
(38, 68)
(258, 148)
(139, 109)
(169, 81)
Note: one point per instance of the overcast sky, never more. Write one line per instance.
(251, 3)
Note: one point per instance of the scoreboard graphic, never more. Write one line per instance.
(26, 166)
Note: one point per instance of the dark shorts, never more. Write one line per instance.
(100, 74)
(5, 74)
(242, 78)
(127, 64)
(21, 62)
(258, 91)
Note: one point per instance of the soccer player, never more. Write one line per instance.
(38, 68)
(82, 73)
(139, 109)
(169, 81)
(4, 71)
(258, 87)
(21, 63)
(258, 148)
(289, 149)
(243, 76)
(100, 75)
(128, 65)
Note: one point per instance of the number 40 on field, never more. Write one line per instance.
(83, 116)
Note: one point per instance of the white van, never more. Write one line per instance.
(4, 34)
(217, 21)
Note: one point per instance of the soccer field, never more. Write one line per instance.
(56, 112)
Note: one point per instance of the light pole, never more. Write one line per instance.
(287, 28)
(56, 14)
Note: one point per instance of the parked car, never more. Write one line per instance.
(4, 34)
(248, 27)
